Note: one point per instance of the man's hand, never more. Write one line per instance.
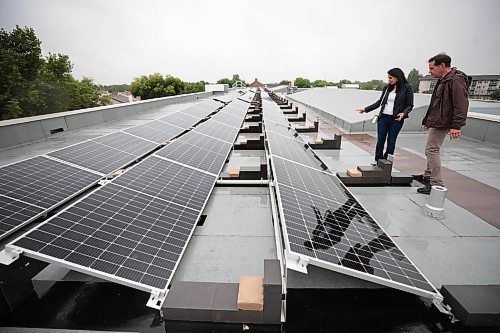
(361, 110)
(455, 133)
(400, 116)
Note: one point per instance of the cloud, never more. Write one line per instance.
(115, 41)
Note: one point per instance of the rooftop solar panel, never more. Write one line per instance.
(218, 130)
(156, 131)
(291, 149)
(105, 154)
(38, 184)
(169, 181)
(227, 118)
(118, 234)
(198, 151)
(180, 119)
(14, 214)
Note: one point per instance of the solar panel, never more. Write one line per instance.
(38, 184)
(156, 131)
(218, 130)
(291, 149)
(126, 143)
(203, 109)
(105, 154)
(199, 151)
(118, 234)
(227, 118)
(180, 119)
(14, 214)
(167, 180)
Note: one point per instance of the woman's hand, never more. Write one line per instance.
(400, 116)
(361, 110)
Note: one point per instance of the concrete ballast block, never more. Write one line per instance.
(251, 293)
(354, 173)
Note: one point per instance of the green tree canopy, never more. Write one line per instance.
(320, 83)
(231, 82)
(155, 85)
(32, 85)
(284, 82)
(302, 83)
(372, 85)
(414, 79)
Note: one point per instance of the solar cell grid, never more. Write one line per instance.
(227, 118)
(156, 131)
(105, 154)
(14, 214)
(291, 149)
(218, 131)
(126, 143)
(180, 119)
(44, 182)
(117, 231)
(199, 151)
(169, 181)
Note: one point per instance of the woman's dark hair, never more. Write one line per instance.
(398, 74)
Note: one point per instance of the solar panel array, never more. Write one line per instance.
(325, 224)
(33, 187)
(134, 230)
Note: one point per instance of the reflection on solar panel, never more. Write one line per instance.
(105, 154)
(38, 184)
(218, 130)
(118, 234)
(325, 225)
(199, 151)
(156, 131)
(325, 222)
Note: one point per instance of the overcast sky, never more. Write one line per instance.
(114, 41)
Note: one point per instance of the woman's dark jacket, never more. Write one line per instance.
(402, 103)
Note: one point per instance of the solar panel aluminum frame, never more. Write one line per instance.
(157, 296)
(299, 262)
(45, 211)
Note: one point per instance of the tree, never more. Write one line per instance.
(495, 95)
(302, 83)
(319, 83)
(372, 85)
(284, 82)
(20, 61)
(414, 79)
(32, 85)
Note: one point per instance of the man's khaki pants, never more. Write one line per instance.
(432, 150)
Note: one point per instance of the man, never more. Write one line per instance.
(447, 113)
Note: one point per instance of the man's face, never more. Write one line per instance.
(436, 71)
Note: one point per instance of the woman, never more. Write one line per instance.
(397, 103)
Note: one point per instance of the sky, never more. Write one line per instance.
(115, 41)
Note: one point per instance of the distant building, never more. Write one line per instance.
(121, 97)
(350, 86)
(256, 84)
(481, 88)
